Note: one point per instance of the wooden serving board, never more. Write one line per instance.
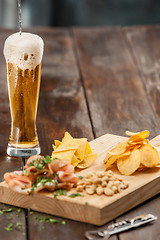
(93, 209)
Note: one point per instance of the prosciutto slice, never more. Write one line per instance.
(36, 158)
(17, 180)
(52, 175)
(64, 171)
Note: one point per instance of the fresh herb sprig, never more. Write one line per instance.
(59, 192)
(40, 163)
(9, 228)
(43, 181)
(2, 211)
(73, 195)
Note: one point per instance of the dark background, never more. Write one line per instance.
(64, 13)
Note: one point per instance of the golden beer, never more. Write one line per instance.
(23, 95)
(23, 60)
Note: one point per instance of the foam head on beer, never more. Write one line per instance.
(24, 50)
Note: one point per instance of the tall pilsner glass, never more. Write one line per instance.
(23, 54)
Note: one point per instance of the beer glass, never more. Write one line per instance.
(23, 54)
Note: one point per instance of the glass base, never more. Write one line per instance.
(22, 152)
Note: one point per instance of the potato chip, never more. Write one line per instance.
(119, 149)
(138, 153)
(138, 142)
(149, 156)
(109, 161)
(112, 159)
(130, 164)
(139, 136)
(145, 133)
(87, 161)
(141, 167)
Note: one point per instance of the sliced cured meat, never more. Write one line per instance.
(42, 173)
(10, 176)
(55, 165)
(36, 158)
(15, 186)
(65, 185)
(67, 177)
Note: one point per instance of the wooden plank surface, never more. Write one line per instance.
(144, 42)
(116, 96)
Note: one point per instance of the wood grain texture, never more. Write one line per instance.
(144, 43)
(7, 163)
(115, 93)
(62, 104)
(99, 209)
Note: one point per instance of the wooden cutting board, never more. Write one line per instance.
(93, 209)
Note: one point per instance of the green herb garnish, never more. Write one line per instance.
(18, 226)
(6, 210)
(10, 217)
(26, 171)
(80, 177)
(47, 159)
(19, 210)
(40, 163)
(59, 192)
(47, 219)
(73, 195)
(9, 228)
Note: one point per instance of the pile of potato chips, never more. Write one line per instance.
(135, 153)
(76, 151)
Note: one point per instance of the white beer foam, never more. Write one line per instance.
(25, 50)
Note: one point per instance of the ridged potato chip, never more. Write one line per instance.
(112, 159)
(119, 149)
(129, 165)
(135, 153)
(149, 156)
(138, 136)
(143, 134)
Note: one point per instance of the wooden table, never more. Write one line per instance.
(94, 81)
